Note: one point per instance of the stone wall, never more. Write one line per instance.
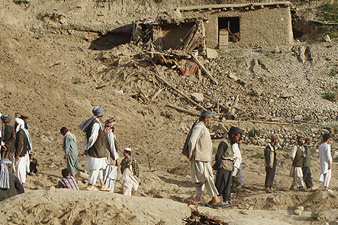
(266, 27)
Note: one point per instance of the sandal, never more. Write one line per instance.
(104, 189)
(219, 205)
(91, 188)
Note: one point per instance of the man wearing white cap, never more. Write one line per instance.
(95, 150)
(130, 173)
(199, 154)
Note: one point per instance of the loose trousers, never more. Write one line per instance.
(307, 177)
(270, 176)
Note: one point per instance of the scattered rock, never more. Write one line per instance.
(211, 53)
(327, 38)
(298, 117)
(299, 210)
(198, 97)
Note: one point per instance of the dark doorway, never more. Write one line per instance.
(232, 25)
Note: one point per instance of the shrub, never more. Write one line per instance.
(331, 96)
(77, 81)
(258, 155)
(308, 118)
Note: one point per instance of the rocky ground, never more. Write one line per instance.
(50, 73)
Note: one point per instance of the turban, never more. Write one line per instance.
(21, 124)
(4, 174)
(6, 118)
(208, 114)
(109, 125)
(98, 110)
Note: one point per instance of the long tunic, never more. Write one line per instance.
(111, 147)
(325, 157)
(70, 148)
(110, 173)
(200, 144)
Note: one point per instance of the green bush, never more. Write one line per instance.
(329, 12)
(77, 81)
(334, 72)
(308, 118)
(258, 155)
(331, 96)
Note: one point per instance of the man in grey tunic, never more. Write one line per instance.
(95, 149)
(199, 154)
(71, 153)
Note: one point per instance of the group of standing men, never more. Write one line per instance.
(198, 149)
(301, 163)
(102, 160)
(16, 155)
(16, 145)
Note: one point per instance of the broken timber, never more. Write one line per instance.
(182, 110)
(157, 75)
(204, 69)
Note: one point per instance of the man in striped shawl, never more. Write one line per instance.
(110, 173)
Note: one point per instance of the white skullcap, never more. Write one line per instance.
(127, 149)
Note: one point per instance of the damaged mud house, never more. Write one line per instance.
(205, 28)
(218, 26)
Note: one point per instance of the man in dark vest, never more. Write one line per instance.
(7, 138)
(21, 147)
(307, 164)
(270, 157)
(224, 164)
(297, 156)
(95, 148)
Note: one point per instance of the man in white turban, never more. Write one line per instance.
(95, 149)
(21, 146)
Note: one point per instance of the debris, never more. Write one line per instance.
(119, 92)
(299, 117)
(62, 21)
(182, 110)
(299, 210)
(327, 38)
(286, 95)
(225, 109)
(204, 69)
(201, 218)
(101, 86)
(198, 97)
(157, 75)
(211, 53)
(233, 76)
(156, 94)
